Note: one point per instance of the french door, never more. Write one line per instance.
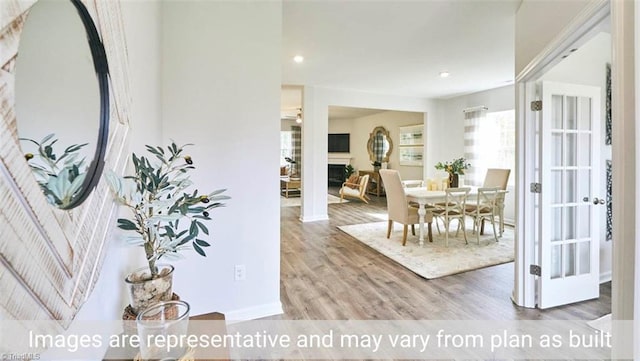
(570, 201)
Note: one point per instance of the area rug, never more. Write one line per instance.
(295, 201)
(602, 324)
(434, 260)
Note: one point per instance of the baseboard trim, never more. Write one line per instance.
(605, 277)
(323, 217)
(254, 312)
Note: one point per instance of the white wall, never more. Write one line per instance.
(287, 124)
(141, 26)
(538, 22)
(316, 102)
(221, 91)
(586, 66)
(452, 146)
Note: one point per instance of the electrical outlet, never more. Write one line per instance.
(240, 272)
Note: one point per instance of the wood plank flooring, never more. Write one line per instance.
(328, 275)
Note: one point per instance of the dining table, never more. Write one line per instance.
(424, 196)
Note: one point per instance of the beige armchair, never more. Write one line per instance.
(355, 190)
(398, 206)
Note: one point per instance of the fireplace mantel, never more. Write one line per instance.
(339, 158)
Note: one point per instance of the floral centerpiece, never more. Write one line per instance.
(454, 168)
(166, 218)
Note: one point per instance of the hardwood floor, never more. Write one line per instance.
(328, 275)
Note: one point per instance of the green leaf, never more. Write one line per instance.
(48, 151)
(202, 227)
(45, 139)
(182, 233)
(199, 250)
(202, 243)
(169, 231)
(217, 192)
(127, 225)
(193, 229)
(74, 147)
(186, 239)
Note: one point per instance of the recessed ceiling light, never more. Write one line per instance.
(298, 59)
(444, 74)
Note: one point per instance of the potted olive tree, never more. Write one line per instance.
(166, 218)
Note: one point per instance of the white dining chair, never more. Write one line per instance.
(454, 207)
(486, 207)
(496, 177)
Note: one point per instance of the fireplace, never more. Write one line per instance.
(336, 174)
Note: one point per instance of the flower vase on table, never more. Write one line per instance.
(453, 180)
(454, 169)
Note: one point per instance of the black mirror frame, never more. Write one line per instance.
(94, 171)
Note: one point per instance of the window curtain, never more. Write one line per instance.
(472, 145)
(296, 148)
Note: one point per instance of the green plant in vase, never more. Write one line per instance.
(348, 171)
(454, 168)
(166, 218)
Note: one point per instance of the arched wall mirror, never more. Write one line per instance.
(62, 100)
(379, 145)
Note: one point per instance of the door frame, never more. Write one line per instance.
(625, 39)
(524, 293)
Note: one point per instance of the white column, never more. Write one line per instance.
(315, 128)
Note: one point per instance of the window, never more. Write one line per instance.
(286, 146)
(491, 143)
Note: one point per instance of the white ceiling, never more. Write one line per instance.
(400, 47)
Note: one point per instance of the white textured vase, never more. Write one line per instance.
(144, 291)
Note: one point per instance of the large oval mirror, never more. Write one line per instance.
(62, 100)
(379, 145)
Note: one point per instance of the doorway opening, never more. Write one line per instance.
(563, 188)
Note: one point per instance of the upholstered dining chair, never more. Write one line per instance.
(398, 206)
(355, 190)
(454, 207)
(495, 177)
(486, 207)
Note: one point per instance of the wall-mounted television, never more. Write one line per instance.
(339, 143)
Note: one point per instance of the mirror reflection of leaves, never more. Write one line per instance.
(60, 177)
